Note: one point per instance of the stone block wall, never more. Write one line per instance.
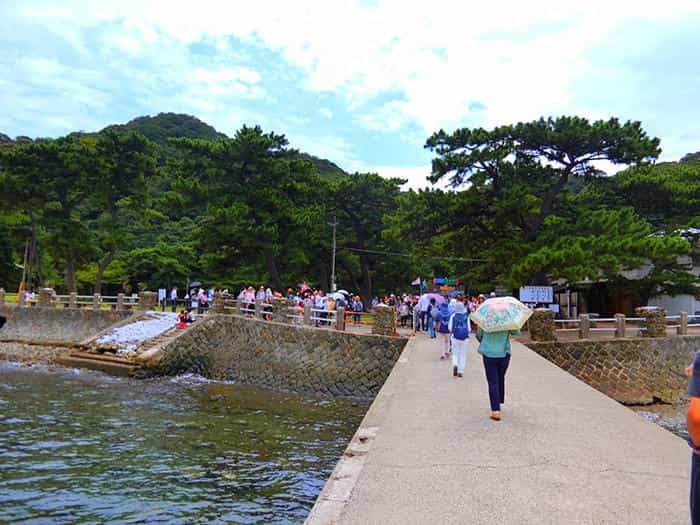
(273, 355)
(541, 325)
(28, 353)
(631, 371)
(63, 325)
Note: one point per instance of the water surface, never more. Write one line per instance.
(81, 447)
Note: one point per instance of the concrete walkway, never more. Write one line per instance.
(564, 453)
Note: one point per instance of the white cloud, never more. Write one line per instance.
(394, 64)
(415, 176)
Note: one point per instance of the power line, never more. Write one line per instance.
(396, 254)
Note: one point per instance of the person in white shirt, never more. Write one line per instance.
(173, 298)
(423, 304)
(321, 303)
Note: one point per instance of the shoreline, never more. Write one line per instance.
(670, 417)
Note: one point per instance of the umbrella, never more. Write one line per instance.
(501, 313)
(438, 298)
(344, 292)
(337, 295)
(195, 284)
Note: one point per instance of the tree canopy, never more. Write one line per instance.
(164, 200)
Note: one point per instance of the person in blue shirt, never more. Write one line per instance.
(495, 350)
(432, 317)
(443, 321)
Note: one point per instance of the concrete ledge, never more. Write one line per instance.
(338, 489)
(36, 324)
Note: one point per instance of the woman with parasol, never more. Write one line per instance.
(498, 318)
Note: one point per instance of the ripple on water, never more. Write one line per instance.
(85, 447)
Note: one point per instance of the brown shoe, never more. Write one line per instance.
(460, 375)
(496, 416)
(454, 371)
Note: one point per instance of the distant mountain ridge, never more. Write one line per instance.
(161, 127)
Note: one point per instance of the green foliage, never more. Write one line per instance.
(533, 196)
(666, 194)
(9, 273)
(603, 244)
(166, 199)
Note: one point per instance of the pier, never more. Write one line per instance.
(564, 453)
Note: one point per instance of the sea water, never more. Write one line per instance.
(83, 447)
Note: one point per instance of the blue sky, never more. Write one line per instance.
(360, 83)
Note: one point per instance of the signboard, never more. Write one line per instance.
(446, 281)
(537, 294)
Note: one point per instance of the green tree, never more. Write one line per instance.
(666, 194)
(46, 181)
(518, 176)
(361, 202)
(251, 191)
(123, 164)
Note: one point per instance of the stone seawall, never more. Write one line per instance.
(30, 354)
(631, 371)
(59, 325)
(280, 356)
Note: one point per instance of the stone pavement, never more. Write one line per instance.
(564, 453)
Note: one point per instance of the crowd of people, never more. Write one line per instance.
(448, 320)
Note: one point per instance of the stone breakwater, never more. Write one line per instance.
(632, 371)
(280, 356)
(55, 325)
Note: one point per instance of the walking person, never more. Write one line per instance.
(173, 299)
(423, 304)
(459, 329)
(432, 313)
(443, 329)
(693, 426)
(495, 350)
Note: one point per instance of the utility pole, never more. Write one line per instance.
(334, 224)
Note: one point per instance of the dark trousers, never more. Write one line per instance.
(695, 490)
(495, 368)
(424, 320)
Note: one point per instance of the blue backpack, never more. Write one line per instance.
(460, 329)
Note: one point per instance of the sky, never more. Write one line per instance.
(362, 83)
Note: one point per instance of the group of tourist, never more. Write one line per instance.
(449, 321)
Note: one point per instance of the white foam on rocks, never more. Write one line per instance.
(128, 337)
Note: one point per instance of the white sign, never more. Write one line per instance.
(537, 294)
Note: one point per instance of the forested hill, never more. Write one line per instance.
(170, 125)
(165, 126)
(177, 125)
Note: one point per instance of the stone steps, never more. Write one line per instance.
(111, 365)
(157, 340)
